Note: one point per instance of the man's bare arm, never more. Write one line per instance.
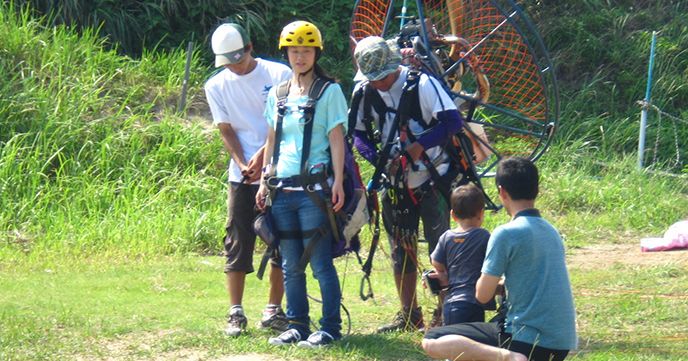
(232, 145)
(486, 287)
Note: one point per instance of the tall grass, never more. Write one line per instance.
(95, 162)
(91, 156)
(133, 26)
(592, 201)
(601, 51)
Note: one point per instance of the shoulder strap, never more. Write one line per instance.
(282, 91)
(316, 91)
(399, 120)
(373, 100)
(318, 88)
(353, 110)
(405, 108)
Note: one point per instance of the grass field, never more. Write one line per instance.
(174, 308)
(112, 207)
(120, 306)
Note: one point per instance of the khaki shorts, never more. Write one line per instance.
(240, 240)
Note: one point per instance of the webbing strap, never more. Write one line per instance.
(315, 92)
(322, 231)
(264, 262)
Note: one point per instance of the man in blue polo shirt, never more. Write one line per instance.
(528, 251)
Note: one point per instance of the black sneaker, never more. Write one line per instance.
(405, 320)
(236, 324)
(287, 337)
(317, 339)
(275, 319)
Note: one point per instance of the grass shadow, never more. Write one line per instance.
(390, 346)
(651, 350)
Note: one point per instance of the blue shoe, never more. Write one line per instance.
(317, 339)
(287, 337)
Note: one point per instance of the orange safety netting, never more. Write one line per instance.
(368, 19)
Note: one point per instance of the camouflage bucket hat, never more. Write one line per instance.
(377, 58)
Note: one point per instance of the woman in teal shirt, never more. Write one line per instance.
(300, 219)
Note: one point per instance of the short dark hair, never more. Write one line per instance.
(467, 201)
(519, 177)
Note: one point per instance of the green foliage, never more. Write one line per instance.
(601, 50)
(100, 178)
(133, 26)
(89, 147)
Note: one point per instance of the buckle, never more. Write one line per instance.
(272, 182)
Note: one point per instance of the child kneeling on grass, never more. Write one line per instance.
(459, 256)
(528, 251)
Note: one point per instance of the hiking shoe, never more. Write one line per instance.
(236, 324)
(317, 339)
(405, 320)
(436, 320)
(287, 337)
(275, 319)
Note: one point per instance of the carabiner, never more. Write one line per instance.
(365, 279)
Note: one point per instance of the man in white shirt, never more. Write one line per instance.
(236, 96)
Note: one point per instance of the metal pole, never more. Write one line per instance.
(185, 82)
(646, 105)
(403, 15)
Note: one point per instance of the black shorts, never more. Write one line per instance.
(240, 240)
(489, 334)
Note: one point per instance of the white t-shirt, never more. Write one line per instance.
(433, 99)
(240, 101)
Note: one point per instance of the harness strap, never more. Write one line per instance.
(264, 262)
(305, 179)
(384, 155)
(353, 111)
(282, 91)
(323, 230)
(367, 267)
(300, 180)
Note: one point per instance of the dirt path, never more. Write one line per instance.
(606, 255)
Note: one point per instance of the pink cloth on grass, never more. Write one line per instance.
(676, 237)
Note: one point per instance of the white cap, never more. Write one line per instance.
(228, 42)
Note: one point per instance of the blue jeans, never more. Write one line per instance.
(298, 220)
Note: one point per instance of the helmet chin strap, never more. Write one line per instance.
(306, 72)
(300, 76)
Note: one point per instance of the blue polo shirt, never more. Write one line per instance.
(529, 252)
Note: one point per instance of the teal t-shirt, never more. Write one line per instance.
(330, 111)
(529, 252)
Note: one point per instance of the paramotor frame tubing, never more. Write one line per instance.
(549, 122)
(547, 126)
(551, 101)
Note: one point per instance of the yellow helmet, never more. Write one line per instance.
(300, 33)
